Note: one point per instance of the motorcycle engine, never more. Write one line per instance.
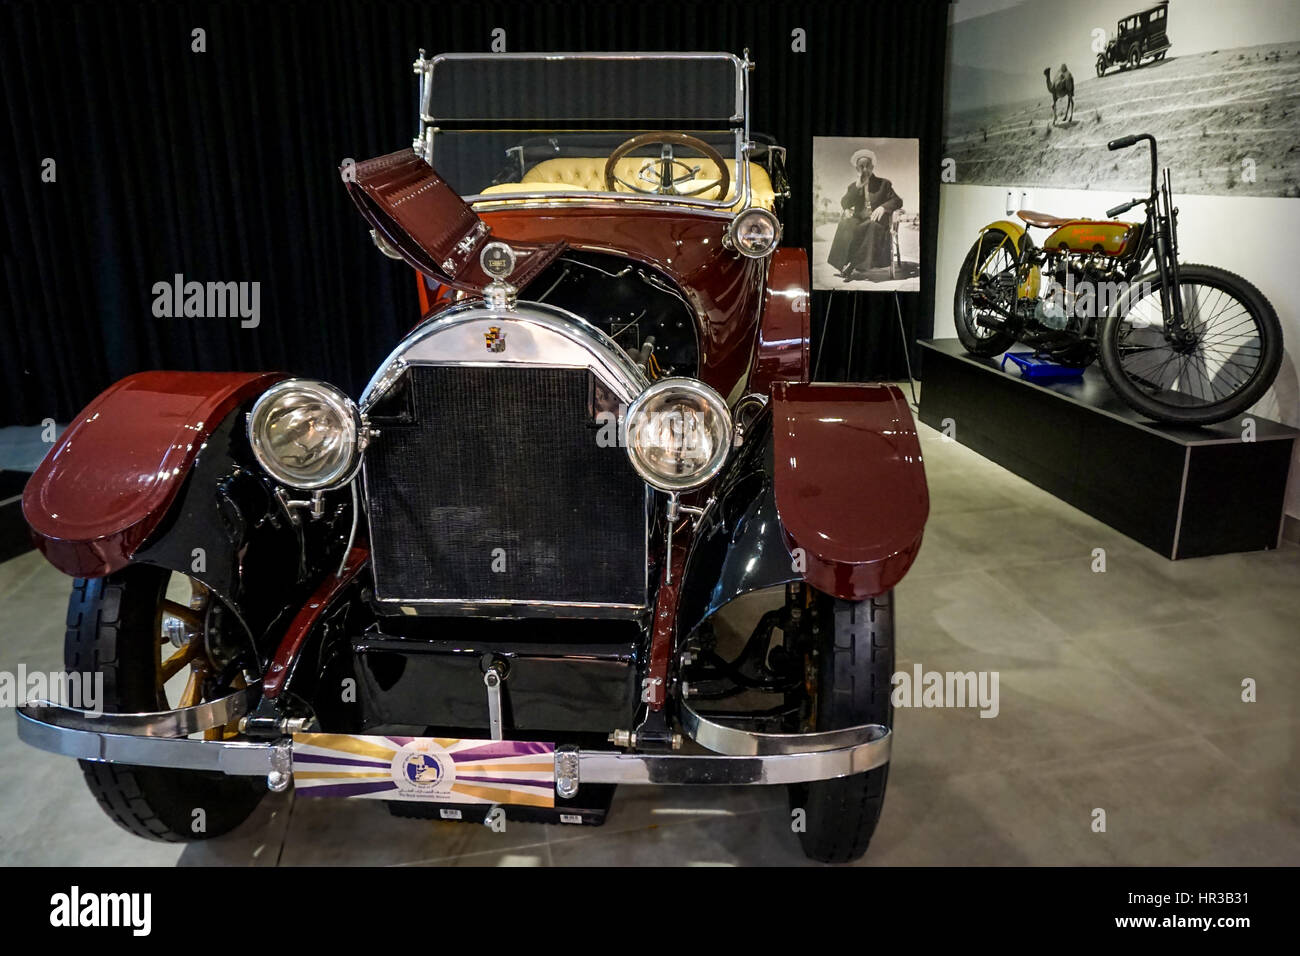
(1050, 310)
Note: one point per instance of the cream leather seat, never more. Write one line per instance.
(569, 173)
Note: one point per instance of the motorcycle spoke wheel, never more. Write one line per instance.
(1222, 363)
(1224, 357)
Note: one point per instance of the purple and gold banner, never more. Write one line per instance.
(436, 769)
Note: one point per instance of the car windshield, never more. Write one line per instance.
(654, 127)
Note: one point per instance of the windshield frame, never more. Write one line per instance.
(426, 134)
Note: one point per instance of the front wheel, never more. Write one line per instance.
(854, 667)
(1224, 362)
(117, 629)
(1101, 65)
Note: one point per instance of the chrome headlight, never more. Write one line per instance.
(306, 434)
(678, 434)
(754, 233)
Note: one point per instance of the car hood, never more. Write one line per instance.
(435, 231)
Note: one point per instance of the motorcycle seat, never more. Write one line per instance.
(1041, 219)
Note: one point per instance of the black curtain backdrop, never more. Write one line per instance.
(222, 166)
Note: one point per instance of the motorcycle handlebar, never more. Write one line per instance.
(1126, 141)
(1114, 211)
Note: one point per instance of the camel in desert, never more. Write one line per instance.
(1061, 86)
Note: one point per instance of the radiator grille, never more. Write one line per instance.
(503, 458)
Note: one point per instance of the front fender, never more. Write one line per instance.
(114, 473)
(850, 485)
(828, 488)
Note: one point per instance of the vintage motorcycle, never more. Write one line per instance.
(1188, 344)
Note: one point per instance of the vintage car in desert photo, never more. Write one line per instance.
(590, 523)
(1139, 36)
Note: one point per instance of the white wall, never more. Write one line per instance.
(1253, 237)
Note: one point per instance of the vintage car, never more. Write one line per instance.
(1137, 37)
(589, 523)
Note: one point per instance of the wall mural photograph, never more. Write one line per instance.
(1218, 84)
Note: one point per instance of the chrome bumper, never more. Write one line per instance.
(601, 766)
(755, 758)
(152, 740)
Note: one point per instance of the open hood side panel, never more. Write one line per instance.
(436, 231)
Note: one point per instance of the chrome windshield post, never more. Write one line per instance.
(423, 144)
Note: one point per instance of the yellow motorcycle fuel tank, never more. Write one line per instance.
(1087, 235)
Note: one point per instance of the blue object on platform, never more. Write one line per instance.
(1038, 369)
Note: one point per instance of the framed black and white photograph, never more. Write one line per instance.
(866, 218)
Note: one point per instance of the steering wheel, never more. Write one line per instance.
(661, 173)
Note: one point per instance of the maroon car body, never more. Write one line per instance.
(596, 304)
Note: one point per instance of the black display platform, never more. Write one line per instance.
(14, 539)
(1184, 492)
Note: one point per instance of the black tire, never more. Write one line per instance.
(1251, 390)
(854, 672)
(975, 338)
(1101, 65)
(112, 630)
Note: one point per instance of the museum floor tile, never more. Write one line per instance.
(1118, 690)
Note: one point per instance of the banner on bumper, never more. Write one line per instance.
(429, 769)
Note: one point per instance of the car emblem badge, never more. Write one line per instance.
(496, 340)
